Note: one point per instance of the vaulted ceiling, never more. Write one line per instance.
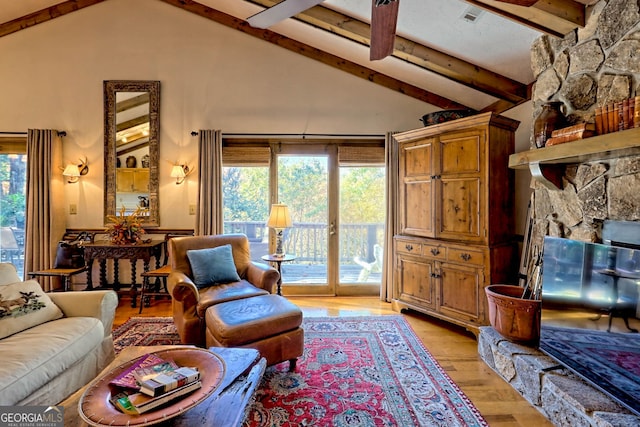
(451, 54)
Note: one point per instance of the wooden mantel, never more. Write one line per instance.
(547, 164)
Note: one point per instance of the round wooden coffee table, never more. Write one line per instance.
(95, 408)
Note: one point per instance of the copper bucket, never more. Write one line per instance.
(514, 318)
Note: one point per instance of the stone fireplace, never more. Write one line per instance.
(586, 69)
(589, 68)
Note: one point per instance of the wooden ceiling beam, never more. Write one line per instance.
(554, 17)
(134, 102)
(455, 69)
(316, 54)
(44, 15)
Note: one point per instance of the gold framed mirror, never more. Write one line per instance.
(131, 147)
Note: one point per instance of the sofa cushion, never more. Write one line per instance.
(8, 273)
(34, 357)
(24, 305)
(212, 266)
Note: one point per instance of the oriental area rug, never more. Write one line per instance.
(355, 371)
(608, 359)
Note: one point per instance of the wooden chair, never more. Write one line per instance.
(159, 276)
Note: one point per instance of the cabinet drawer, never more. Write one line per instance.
(466, 255)
(435, 251)
(409, 247)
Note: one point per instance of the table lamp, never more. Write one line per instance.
(279, 219)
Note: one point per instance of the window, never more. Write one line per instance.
(13, 166)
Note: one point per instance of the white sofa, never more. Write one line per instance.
(51, 344)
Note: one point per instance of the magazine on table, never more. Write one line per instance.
(127, 378)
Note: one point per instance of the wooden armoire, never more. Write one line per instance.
(456, 217)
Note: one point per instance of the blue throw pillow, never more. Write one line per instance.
(212, 266)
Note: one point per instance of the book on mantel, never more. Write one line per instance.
(571, 133)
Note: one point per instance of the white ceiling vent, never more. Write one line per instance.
(472, 14)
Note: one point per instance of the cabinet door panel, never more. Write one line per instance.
(416, 194)
(460, 289)
(460, 209)
(417, 159)
(415, 284)
(418, 216)
(141, 181)
(461, 152)
(132, 180)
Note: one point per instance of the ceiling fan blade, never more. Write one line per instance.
(384, 15)
(279, 12)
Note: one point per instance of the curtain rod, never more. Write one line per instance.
(60, 133)
(295, 135)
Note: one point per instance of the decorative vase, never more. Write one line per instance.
(131, 162)
(550, 118)
(513, 317)
(144, 160)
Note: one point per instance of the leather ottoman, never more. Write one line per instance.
(268, 323)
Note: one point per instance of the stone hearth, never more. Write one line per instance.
(564, 398)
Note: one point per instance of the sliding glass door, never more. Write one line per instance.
(362, 217)
(303, 177)
(336, 199)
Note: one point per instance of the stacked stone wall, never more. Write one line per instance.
(589, 68)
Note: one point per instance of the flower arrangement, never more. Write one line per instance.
(126, 229)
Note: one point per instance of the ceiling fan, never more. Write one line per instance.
(384, 15)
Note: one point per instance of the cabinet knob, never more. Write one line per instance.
(435, 275)
(435, 251)
(465, 257)
(409, 247)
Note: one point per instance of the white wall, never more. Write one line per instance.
(212, 77)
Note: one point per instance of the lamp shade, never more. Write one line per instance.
(279, 217)
(178, 172)
(71, 170)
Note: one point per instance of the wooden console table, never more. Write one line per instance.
(102, 251)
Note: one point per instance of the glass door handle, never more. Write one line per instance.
(332, 229)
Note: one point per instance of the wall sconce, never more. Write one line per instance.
(180, 173)
(73, 172)
(279, 219)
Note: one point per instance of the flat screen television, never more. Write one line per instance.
(591, 314)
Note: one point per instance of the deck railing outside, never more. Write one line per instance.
(309, 240)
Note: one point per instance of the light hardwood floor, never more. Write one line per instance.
(453, 348)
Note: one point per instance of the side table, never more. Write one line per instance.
(64, 273)
(278, 260)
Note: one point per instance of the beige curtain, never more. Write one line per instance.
(391, 227)
(45, 215)
(209, 208)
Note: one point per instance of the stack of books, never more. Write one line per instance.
(571, 133)
(151, 382)
(618, 116)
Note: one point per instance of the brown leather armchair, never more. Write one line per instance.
(191, 303)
